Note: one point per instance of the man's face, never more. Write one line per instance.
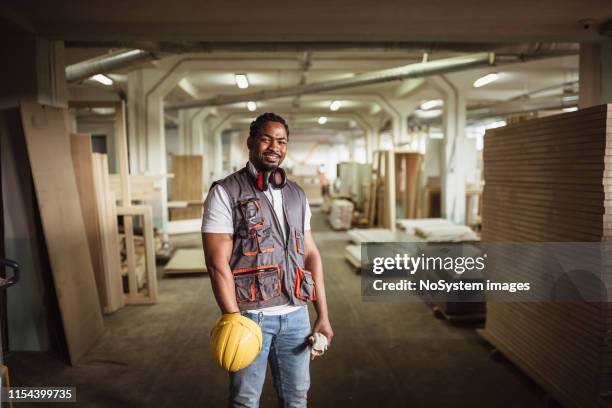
(268, 150)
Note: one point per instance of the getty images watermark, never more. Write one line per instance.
(507, 272)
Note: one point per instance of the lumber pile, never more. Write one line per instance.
(187, 186)
(407, 173)
(143, 187)
(451, 233)
(548, 180)
(437, 230)
(409, 225)
(187, 260)
(341, 214)
(49, 150)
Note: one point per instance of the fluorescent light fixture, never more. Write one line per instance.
(428, 114)
(335, 105)
(485, 80)
(433, 103)
(103, 79)
(242, 81)
(570, 109)
(251, 106)
(322, 120)
(103, 111)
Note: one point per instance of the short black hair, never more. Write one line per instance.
(257, 124)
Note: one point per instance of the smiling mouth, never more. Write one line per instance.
(271, 156)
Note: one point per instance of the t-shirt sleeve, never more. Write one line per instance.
(307, 216)
(217, 217)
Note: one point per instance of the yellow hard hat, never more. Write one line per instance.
(235, 341)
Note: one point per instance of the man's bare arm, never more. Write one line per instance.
(313, 264)
(217, 252)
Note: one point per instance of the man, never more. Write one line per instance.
(263, 263)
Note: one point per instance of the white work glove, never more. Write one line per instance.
(318, 344)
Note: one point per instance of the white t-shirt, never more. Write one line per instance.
(217, 218)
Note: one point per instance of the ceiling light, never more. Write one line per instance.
(335, 105)
(242, 81)
(487, 79)
(433, 103)
(103, 79)
(322, 120)
(570, 109)
(251, 106)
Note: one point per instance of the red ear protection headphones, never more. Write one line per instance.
(277, 178)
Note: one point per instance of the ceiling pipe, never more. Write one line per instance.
(528, 95)
(86, 69)
(521, 106)
(509, 107)
(437, 67)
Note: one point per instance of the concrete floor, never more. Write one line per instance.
(383, 355)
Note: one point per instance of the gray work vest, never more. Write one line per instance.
(268, 270)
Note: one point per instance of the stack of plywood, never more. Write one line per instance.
(548, 180)
(187, 186)
(143, 187)
(45, 130)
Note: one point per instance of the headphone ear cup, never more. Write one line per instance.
(263, 178)
(278, 178)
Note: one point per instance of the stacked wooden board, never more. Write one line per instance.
(187, 260)
(187, 185)
(547, 180)
(48, 143)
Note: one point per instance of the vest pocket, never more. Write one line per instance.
(269, 284)
(257, 283)
(265, 243)
(299, 242)
(245, 288)
(249, 245)
(251, 213)
(304, 285)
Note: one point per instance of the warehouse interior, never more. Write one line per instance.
(409, 122)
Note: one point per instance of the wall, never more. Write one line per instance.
(27, 315)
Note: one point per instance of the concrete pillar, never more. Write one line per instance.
(595, 73)
(351, 146)
(402, 108)
(452, 157)
(217, 149)
(146, 91)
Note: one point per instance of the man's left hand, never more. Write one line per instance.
(323, 326)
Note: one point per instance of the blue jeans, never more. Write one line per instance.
(285, 347)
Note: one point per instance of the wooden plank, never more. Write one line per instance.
(186, 260)
(48, 144)
(82, 161)
(109, 235)
(126, 196)
(187, 185)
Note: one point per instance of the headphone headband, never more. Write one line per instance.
(277, 178)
